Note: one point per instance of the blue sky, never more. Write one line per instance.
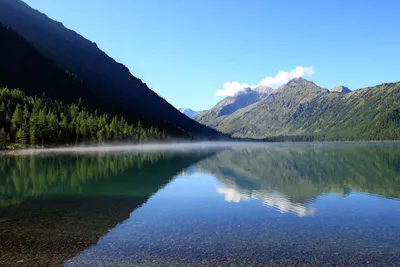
(186, 50)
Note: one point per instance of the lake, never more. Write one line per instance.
(232, 204)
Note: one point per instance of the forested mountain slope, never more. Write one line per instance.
(115, 87)
(302, 110)
(38, 117)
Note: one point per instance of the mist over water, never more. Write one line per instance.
(186, 147)
(142, 148)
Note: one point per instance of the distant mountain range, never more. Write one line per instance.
(114, 89)
(302, 110)
(189, 112)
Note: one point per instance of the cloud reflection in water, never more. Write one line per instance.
(270, 199)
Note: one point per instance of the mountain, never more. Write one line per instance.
(189, 112)
(22, 66)
(45, 120)
(230, 104)
(301, 110)
(341, 89)
(112, 83)
(229, 115)
(264, 90)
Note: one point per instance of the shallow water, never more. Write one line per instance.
(229, 205)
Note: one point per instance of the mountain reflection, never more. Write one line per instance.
(89, 174)
(54, 206)
(287, 179)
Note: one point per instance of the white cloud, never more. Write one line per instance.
(231, 89)
(285, 76)
(282, 77)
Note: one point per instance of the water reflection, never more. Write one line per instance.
(287, 178)
(272, 199)
(216, 215)
(279, 205)
(54, 206)
(88, 174)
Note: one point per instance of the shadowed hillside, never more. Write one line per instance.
(115, 88)
(23, 67)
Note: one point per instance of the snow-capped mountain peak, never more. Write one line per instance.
(189, 112)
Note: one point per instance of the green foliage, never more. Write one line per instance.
(44, 121)
(33, 135)
(303, 111)
(17, 118)
(3, 138)
(21, 137)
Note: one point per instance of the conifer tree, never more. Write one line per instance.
(3, 139)
(18, 117)
(100, 136)
(33, 135)
(2, 111)
(60, 137)
(44, 121)
(22, 134)
(27, 114)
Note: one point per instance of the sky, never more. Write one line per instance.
(195, 52)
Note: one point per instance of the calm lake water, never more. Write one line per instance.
(238, 205)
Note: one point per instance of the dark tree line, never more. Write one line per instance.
(26, 120)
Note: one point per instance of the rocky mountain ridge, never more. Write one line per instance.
(302, 108)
